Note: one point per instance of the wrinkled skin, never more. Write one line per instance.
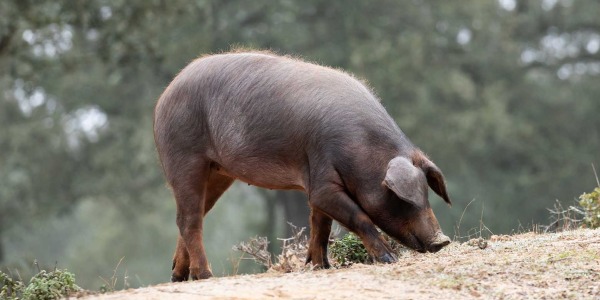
(281, 123)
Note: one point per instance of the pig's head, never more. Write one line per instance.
(406, 214)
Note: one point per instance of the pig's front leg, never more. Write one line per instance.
(333, 201)
(320, 228)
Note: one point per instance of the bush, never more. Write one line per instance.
(590, 203)
(9, 288)
(43, 286)
(348, 250)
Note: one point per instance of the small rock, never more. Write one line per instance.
(500, 238)
(479, 242)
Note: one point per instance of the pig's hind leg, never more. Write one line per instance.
(217, 185)
(214, 187)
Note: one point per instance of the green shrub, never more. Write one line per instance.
(590, 202)
(43, 286)
(9, 288)
(348, 250)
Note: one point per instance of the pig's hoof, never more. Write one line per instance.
(201, 275)
(180, 273)
(323, 264)
(387, 258)
(177, 278)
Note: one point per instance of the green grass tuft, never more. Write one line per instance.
(348, 250)
(590, 202)
(43, 286)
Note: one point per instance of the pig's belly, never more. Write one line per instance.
(265, 174)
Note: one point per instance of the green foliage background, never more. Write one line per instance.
(502, 95)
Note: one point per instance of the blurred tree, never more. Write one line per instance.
(502, 95)
(79, 82)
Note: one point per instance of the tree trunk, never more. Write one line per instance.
(271, 224)
(1, 245)
(295, 209)
(289, 207)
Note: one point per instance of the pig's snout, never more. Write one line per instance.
(438, 243)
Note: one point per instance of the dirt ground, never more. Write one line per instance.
(528, 266)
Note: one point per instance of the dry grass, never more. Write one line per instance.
(563, 265)
(293, 252)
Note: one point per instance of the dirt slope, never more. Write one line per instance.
(528, 266)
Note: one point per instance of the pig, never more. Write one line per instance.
(279, 122)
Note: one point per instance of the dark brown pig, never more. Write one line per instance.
(281, 123)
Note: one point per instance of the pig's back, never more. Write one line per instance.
(261, 92)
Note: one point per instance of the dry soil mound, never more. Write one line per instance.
(527, 266)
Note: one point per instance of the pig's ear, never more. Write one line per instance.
(435, 180)
(406, 181)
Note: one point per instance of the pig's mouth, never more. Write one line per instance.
(437, 247)
(412, 242)
(416, 244)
